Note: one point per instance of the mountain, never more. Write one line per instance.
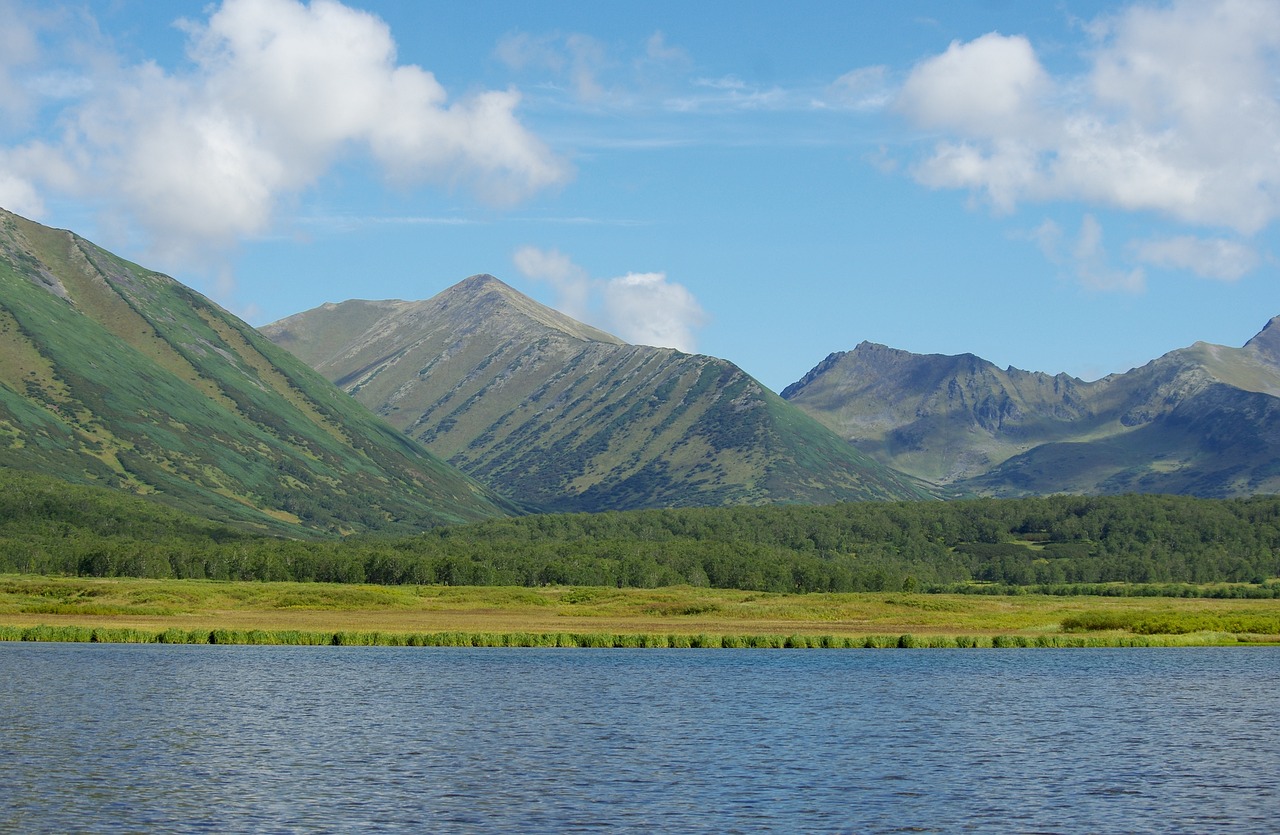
(564, 417)
(1201, 420)
(114, 375)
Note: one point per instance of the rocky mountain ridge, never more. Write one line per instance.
(562, 416)
(1198, 420)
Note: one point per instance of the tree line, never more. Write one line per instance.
(1055, 542)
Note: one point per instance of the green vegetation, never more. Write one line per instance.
(1062, 545)
(201, 611)
(565, 418)
(594, 640)
(1183, 623)
(117, 376)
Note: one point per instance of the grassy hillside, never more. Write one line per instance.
(564, 417)
(114, 375)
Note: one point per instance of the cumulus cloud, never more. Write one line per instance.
(18, 194)
(276, 92)
(641, 308)
(647, 309)
(992, 81)
(1177, 114)
(1218, 258)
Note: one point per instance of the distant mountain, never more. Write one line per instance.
(564, 417)
(1203, 420)
(114, 375)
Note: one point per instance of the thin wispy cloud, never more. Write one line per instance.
(656, 76)
(1216, 258)
(1085, 257)
(864, 89)
(348, 223)
(585, 221)
(577, 59)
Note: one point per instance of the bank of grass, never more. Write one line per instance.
(120, 610)
(83, 634)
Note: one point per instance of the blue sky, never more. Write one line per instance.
(1062, 187)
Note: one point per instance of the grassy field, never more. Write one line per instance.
(196, 611)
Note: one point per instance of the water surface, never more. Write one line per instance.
(122, 738)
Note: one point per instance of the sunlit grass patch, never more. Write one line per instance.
(204, 611)
(1174, 623)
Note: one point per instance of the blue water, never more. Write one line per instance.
(103, 738)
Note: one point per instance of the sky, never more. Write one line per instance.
(1073, 187)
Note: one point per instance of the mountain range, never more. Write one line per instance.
(566, 417)
(1202, 420)
(481, 402)
(561, 416)
(114, 375)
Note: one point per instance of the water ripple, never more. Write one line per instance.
(101, 738)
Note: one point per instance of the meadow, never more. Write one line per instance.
(245, 612)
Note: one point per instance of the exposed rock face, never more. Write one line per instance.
(1199, 420)
(562, 416)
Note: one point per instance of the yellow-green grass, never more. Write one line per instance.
(192, 611)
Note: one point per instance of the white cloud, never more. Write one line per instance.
(1177, 114)
(646, 309)
(19, 195)
(991, 81)
(641, 308)
(277, 92)
(1217, 258)
(20, 191)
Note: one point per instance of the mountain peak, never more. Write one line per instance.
(565, 417)
(1267, 342)
(482, 283)
(486, 298)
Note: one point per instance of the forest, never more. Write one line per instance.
(1149, 544)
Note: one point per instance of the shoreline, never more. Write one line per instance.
(44, 633)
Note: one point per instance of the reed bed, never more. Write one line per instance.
(602, 640)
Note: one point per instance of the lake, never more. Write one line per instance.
(146, 738)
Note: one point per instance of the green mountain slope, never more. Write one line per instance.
(1200, 420)
(114, 375)
(564, 417)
